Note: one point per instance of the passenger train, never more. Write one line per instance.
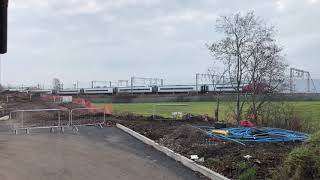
(167, 89)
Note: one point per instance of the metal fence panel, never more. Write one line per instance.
(88, 116)
(39, 118)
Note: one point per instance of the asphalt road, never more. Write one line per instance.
(92, 153)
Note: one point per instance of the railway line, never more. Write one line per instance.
(166, 89)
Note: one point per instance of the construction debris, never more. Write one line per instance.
(194, 157)
(221, 155)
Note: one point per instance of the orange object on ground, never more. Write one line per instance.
(108, 108)
(88, 104)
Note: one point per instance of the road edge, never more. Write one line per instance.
(176, 156)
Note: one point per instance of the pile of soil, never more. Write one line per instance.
(135, 117)
(70, 105)
(187, 140)
(11, 101)
(155, 130)
(225, 157)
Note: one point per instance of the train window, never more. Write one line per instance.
(69, 91)
(135, 89)
(96, 90)
(176, 88)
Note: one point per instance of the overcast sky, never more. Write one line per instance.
(116, 39)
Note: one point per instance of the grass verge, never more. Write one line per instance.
(303, 162)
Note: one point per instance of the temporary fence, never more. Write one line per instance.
(56, 118)
(39, 118)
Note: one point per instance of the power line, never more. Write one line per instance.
(301, 74)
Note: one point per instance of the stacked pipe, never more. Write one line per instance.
(3, 25)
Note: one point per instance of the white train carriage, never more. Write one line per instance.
(228, 88)
(18, 90)
(225, 88)
(136, 90)
(98, 91)
(177, 89)
(69, 92)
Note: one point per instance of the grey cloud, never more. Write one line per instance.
(110, 40)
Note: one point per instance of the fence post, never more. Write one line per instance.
(22, 119)
(71, 117)
(104, 115)
(59, 121)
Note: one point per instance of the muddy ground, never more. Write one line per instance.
(10, 101)
(224, 157)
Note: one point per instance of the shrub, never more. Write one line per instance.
(315, 139)
(281, 115)
(248, 174)
(303, 162)
(212, 162)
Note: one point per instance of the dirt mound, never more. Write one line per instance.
(225, 157)
(129, 117)
(154, 130)
(70, 105)
(191, 117)
(11, 101)
(134, 117)
(187, 140)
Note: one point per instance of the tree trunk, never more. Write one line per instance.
(254, 109)
(216, 114)
(238, 108)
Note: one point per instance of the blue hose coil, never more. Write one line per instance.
(253, 134)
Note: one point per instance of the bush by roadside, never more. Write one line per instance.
(286, 116)
(303, 162)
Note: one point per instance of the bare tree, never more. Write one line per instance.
(234, 50)
(251, 56)
(266, 70)
(56, 84)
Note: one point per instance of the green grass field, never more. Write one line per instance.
(310, 109)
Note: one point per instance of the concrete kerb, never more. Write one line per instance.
(185, 161)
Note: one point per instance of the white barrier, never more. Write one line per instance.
(39, 118)
(56, 118)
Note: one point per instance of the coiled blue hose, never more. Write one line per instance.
(253, 134)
